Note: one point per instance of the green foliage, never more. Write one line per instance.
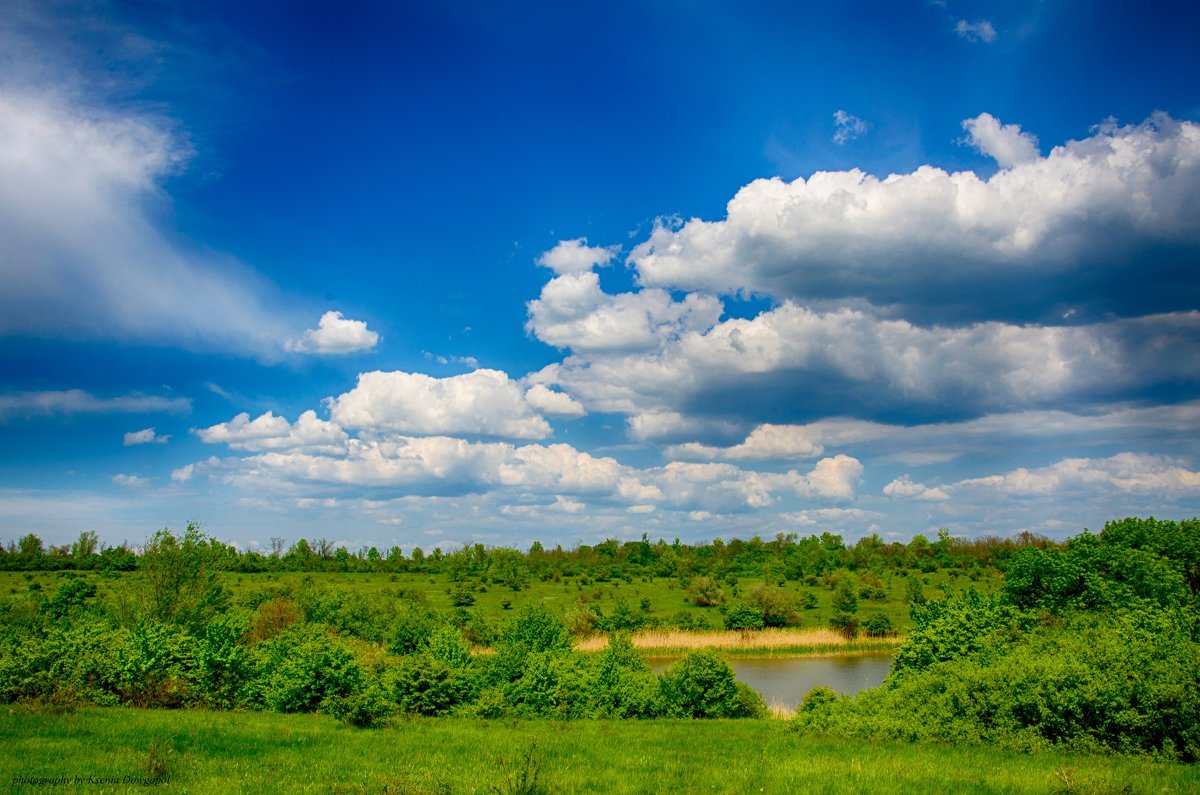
(1100, 685)
(446, 645)
(623, 686)
(879, 626)
(71, 596)
(411, 630)
(706, 592)
(363, 709)
(224, 666)
(422, 685)
(179, 579)
(776, 606)
(702, 685)
(536, 629)
(302, 667)
(744, 616)
(968, 624)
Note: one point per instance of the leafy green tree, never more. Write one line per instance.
(178, 580)
(83, 551)
(706, 592)
(776, 606)
(845, 609)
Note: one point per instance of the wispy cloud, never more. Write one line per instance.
(76, 401)
(979, 31)
(848, 127)
(145, 436)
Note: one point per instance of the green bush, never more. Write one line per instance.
(303, 666)
(421, 685)
(702, 685)
(743, 616)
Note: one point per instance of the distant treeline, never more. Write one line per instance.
(787, 556)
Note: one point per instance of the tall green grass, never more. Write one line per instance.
(215, 752)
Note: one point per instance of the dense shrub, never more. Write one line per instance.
(422, 685)
(702, 685)
(776, 606)
(959, 626)
(302, 667)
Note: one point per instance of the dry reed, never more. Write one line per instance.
(789, 640)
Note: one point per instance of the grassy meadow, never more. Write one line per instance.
(196, 751)
(661, 600)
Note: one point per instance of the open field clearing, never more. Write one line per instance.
(208, 752)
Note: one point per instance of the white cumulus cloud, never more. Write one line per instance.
(484, 402)
(555, 404)
(271, 432)
(576, 256)
(335, 334)
(937, 242)
(1004, 143)
(573, 312)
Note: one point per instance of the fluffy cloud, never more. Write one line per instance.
(145, 436)
(80, 195)
(269, 432)
(904, 487)
(1049, 232)
(1004, 143)
(76, 401)
(980, 30)
(555, 404)
(1137, 473)
(433, 465)
(576, 256)
(824, 360)
(1159, 477)
(335, 335)
(484, 402)
(573, 312)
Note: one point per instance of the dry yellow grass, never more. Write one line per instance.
(782, 640)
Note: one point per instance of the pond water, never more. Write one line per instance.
(785, 680)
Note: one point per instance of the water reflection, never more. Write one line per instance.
(785, 681)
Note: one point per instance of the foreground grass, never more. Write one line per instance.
(202, 752)
(757, 643)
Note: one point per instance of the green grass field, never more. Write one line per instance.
(667, 600)
(203, 752)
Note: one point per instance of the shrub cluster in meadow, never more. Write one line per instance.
(1092, 647)
(179, 642)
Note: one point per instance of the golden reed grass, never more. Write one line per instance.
(765, 639)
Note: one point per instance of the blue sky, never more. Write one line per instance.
(440, 273)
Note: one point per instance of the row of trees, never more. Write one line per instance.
(787, 556)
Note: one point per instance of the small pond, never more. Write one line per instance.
(785, 680)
